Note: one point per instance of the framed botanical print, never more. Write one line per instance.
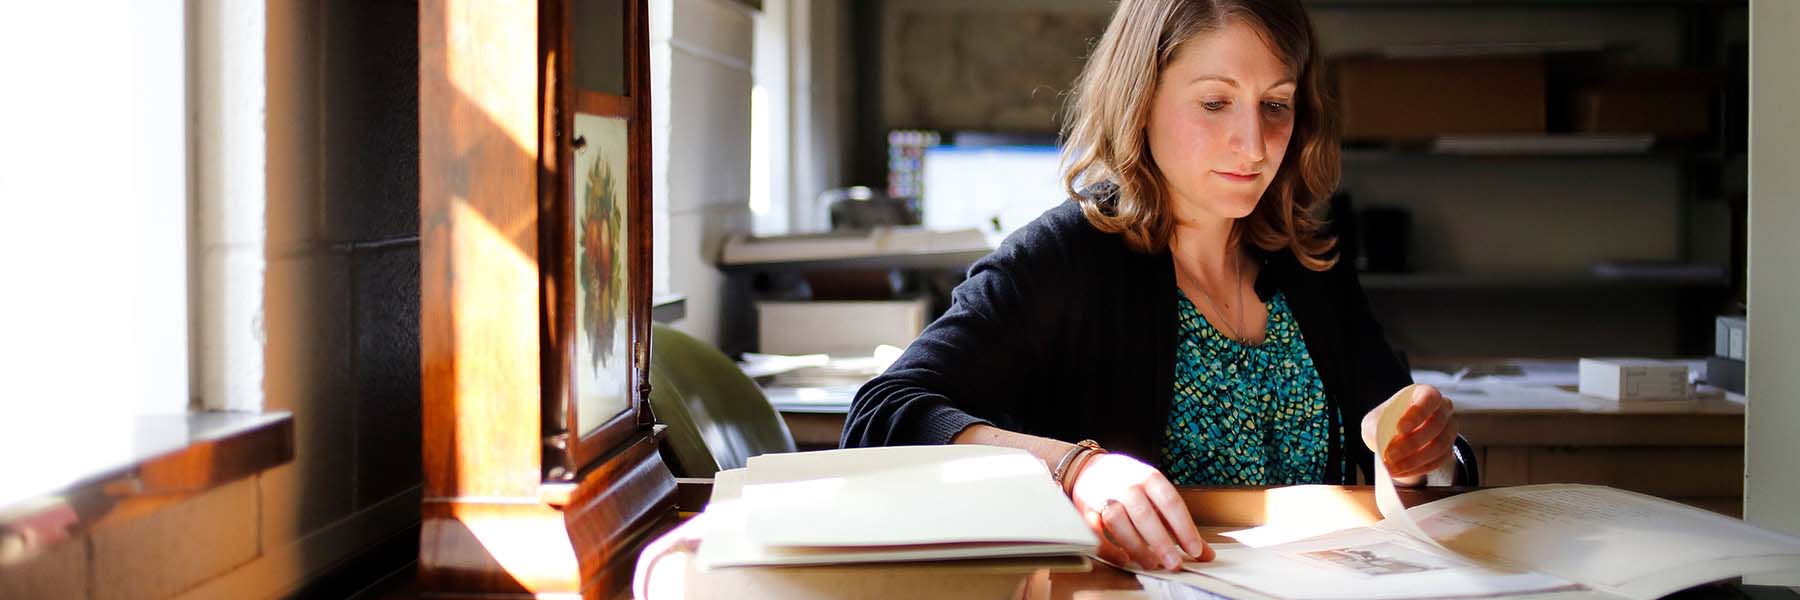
(598, 229)
(602, 375)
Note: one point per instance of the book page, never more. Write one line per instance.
(1609, 539)
(897, 496)
(726, 543)
(1365, 563)
(1387, 499)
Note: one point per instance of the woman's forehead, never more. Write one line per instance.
(1238, 54)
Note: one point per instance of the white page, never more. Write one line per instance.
(899, 496)
(1364, 563)
(1387, 499)
(1624, 542)
(725, 543)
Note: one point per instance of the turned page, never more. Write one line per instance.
(1608, 539)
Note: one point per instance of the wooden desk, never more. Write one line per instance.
(1216, 509)
(1693, 455)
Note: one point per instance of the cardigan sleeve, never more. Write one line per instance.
(1379, 372)
(969, 365)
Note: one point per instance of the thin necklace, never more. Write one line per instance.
(1231, 331)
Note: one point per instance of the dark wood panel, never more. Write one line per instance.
(1665, 472)
(617, 508)
(606, 105)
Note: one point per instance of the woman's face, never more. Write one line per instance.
(1220, 123)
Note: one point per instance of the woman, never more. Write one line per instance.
(1184, 310)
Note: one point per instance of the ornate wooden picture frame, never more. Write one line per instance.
(596, 232)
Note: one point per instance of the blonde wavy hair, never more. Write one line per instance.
(1105, 145)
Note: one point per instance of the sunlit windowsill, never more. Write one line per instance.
(57, 493)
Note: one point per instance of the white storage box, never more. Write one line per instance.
(841, 328)
(1633, 379)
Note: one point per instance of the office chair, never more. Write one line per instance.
(1468, 472)
(717, 417)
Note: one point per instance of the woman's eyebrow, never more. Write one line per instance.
(1234, 83)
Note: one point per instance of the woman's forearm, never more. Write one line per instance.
(1045, 449)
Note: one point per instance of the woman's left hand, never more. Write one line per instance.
(1426, 435)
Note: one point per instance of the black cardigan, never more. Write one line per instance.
(1064, 332)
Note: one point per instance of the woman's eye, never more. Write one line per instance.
(1213, 105)
(1277, 107)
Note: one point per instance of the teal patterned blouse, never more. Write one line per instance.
(1246, 415)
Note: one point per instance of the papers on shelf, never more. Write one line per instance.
(889, 505)
(815, 382)
(837, 245)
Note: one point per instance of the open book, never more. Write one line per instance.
(1527, 540)
(894, 504)
(1557, 540)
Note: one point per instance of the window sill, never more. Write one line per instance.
(162, 459)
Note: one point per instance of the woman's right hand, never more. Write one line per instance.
(1137, 514)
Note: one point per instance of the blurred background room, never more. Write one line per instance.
(1526, 183)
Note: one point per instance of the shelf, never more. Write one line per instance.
(1527, 281)
(1522, 3)
(1534, 147)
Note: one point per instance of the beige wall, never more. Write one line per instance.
(1771, 483)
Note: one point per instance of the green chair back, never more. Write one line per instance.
(717, 417)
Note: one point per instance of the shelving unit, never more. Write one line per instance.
(1530, 281)
(1691, 34)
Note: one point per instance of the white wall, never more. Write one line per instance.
(821, 93)
(1772, 427)
(701, 61)
(228, 111)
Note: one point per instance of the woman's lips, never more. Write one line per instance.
(1230, 176)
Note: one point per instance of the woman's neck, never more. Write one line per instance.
(1204, 246)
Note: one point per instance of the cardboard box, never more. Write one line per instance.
(1414, 99)
(1634, 379)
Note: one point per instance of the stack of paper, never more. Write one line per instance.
(889, 505)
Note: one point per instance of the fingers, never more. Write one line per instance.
(1425, 403)
(1427, 412)
(1157, 543)
(1119, 527)
(1406, 444)
(1175, 513)
(1431, 455)
(1139, 513)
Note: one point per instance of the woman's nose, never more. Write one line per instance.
(1247, 139)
